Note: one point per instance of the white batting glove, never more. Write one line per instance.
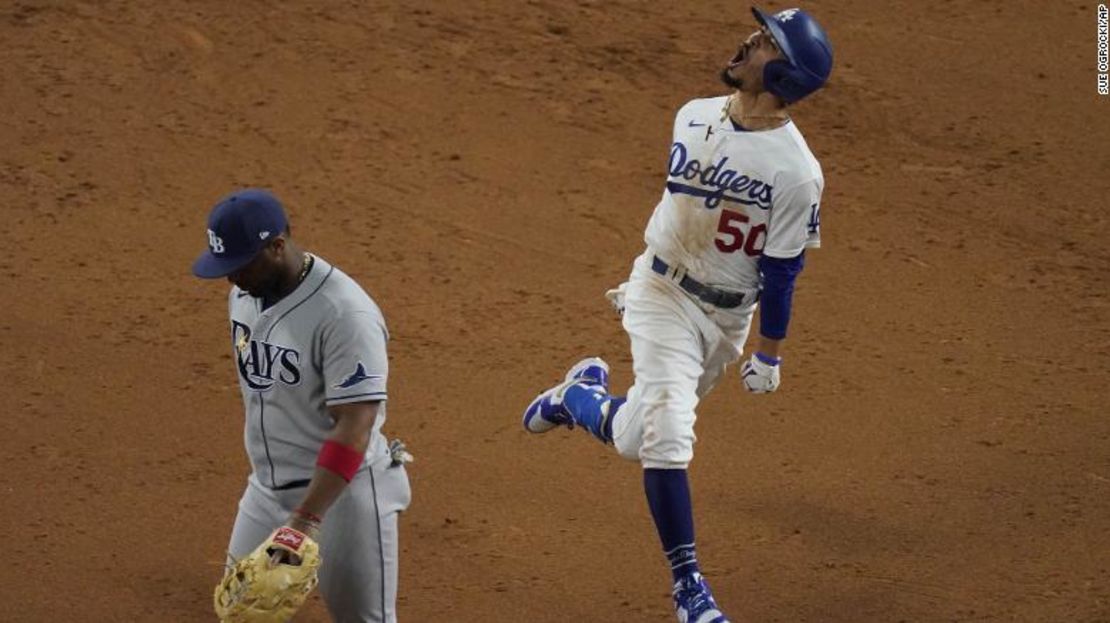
(616, 298)
(761, 373)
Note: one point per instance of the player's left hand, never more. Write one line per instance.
(257, 588)
(761, 374)
(308, 525)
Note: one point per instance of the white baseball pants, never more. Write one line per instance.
(680, 348)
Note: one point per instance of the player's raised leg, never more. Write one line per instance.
(547, 411)
(654, 425)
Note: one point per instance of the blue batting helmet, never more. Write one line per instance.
(808, 54)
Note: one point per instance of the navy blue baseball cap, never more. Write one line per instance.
(239, 226)
(809, 56)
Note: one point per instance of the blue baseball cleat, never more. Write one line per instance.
(693, 601)
(547, 412)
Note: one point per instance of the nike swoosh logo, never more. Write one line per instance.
(695, 124)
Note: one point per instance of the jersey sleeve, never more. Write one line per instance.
(355, 362)
(795, 221)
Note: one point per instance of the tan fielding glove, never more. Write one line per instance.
(259, 590)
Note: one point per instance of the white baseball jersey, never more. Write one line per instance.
(322, 345)
(732, 195)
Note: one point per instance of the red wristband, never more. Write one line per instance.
(339, 459)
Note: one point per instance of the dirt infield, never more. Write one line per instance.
(939, 451)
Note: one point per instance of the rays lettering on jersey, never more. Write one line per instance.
(718, 183)
(261, 364)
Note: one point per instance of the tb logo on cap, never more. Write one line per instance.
(215, 243)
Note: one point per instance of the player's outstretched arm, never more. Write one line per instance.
(339, 459)
(761, 373)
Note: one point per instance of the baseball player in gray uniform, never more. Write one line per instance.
(309, 347)
(740, 207)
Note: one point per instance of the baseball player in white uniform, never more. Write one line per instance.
(740, 208)
(310, 351)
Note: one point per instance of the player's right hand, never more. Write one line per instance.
(761, 374)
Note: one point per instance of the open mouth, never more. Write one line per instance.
(741, 54)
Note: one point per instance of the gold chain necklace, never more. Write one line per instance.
(726, 112)
(305, 265)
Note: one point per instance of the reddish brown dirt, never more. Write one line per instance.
(940, 449)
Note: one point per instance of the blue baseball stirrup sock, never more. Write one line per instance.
(668, 495)
(592, 409)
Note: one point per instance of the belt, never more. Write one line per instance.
(296, 484)
(708, 294)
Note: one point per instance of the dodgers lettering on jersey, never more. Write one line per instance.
(715, 181)
(733, 195)
(322, 345)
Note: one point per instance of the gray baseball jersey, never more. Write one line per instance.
(322, 345)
